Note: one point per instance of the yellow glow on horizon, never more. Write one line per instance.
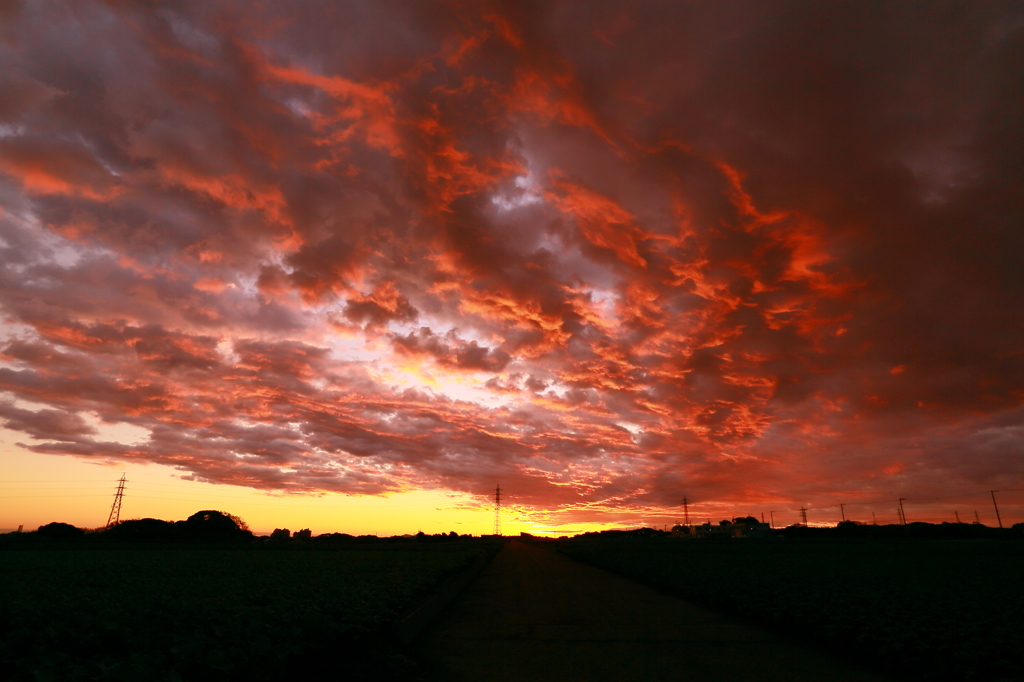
(36, 489)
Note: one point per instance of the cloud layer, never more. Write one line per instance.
(605, 254)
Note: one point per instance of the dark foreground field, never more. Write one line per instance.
(534, 615)
(228, 613)
(929, 610)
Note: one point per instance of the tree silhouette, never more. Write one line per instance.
(59, 531)
(140, 530)
(210, 525)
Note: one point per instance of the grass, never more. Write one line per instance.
(207, 613)
(932, 610)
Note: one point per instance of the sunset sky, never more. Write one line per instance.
(349, 265)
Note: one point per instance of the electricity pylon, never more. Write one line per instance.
(497, 510)
(115, 509)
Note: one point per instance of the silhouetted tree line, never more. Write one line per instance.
(633, 533)
(844, 529)
(919, 530)
(204, 526)
(306, 537)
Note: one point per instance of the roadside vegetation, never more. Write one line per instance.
(930, 610)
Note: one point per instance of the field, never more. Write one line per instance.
(101, 613)
(930, 610)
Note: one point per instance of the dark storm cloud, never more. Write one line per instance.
(610, 252)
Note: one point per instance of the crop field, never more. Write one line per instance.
(930, 610)
(212, 613)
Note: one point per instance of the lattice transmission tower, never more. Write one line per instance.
(115, 509)
(497, 510)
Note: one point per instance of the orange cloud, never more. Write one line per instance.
(602, 222)
(607, 256)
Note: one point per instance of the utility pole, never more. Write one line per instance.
(957, 514)
(772, 517)
(803, 515)
(899, 515)
(998, 518)
(874, 521)
(842, 511)
(497, 510)
(686, 511)
(976, 519)
(115, 509)
(903, 514)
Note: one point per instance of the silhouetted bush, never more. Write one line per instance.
(634, 533)
(335, 538)
(918, 530)
(212, 526)
(141, 530)
(59, 531)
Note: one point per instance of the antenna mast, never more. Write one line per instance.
(803, 515)
(115, 509)
(497, 510)
(686, 511)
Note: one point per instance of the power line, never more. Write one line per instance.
(23, 497)
(944, 497)
(189, 489)
(59, 480)
(241, 501)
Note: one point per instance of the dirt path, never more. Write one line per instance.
(535, 615)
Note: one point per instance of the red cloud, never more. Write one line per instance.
(384, 305)
(450, 351)
(610, 259)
